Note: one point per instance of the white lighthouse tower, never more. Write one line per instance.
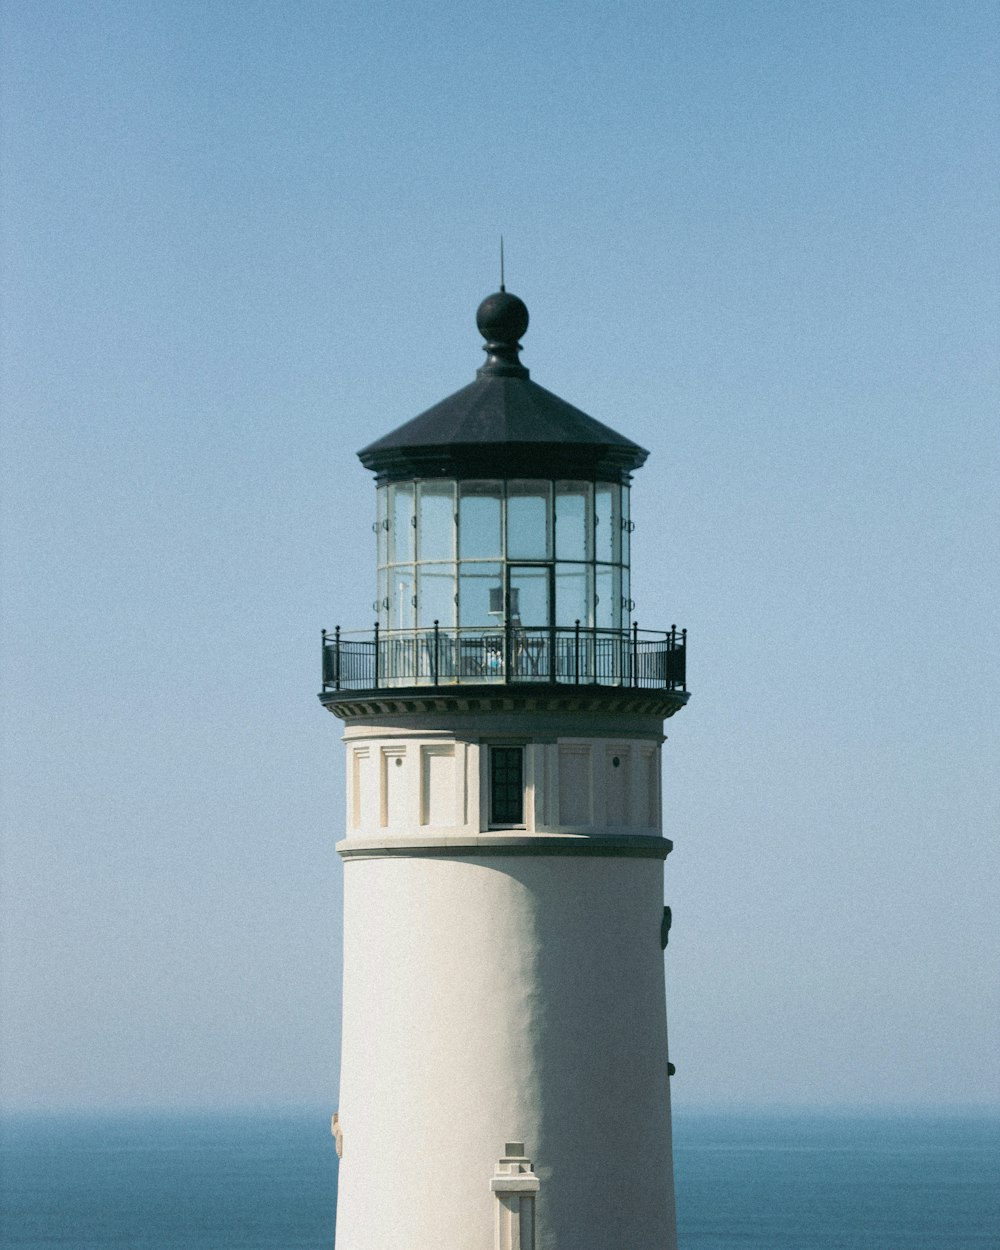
(505, 1072)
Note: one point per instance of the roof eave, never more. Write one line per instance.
(585, 461)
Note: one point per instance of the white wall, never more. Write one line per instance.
(504, 998)
(401, 782)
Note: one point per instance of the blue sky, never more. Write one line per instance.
(240, 240)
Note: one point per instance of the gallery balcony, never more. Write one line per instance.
(505, 655)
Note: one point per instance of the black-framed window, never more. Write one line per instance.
(506, 785)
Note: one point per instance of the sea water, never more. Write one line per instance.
(268, 1182)
(168, 1182)
(837, 1182)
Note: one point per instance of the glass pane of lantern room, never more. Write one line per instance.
(401, 598)
(401, 523)
(480, 596)
(436, 521)
(571, 595)
(572, 529)
(529, 596)
(528, 520)
(607, 600)
(381, 525)
(479, 521)
(626, 526)
(607, 526)
(436, 594)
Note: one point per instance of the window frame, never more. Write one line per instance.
(492, 750)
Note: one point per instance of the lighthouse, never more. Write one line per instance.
(505, 1072)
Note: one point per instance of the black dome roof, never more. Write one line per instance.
(503, 424)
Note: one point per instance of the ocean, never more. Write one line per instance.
(268, 1182)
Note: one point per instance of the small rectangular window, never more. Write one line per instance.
(506, 785)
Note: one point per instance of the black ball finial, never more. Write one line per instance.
(502, 318)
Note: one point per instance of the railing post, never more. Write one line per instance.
(506, 650)
(323, 658)
(576, 644)
(635, 653)
(376, 655)
(436, 660)
(336, 658)
(684, 649)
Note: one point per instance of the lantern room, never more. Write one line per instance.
(474, 553)
(503, 541)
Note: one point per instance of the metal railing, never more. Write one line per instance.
(513, 653)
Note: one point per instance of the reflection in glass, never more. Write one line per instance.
(436, 528)
(401, 531)
(479, 521)
(401, 597)
(436, 594)
(475, 581)
(529, 596)
(571, 521)
(607, 527)
(528, 520)
(571, 595)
